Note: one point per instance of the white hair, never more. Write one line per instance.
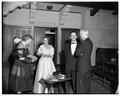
(84, 34)
(17, 40)
(84, 31)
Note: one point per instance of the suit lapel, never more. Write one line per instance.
(77, 47)
(69, 45)
(70, 48)
(88, 39)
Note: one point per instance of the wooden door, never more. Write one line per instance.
(39, 33)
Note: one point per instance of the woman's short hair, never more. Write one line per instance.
(27, 36)
(47, 38)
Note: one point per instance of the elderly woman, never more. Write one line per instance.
(11, 58)
(21, 77)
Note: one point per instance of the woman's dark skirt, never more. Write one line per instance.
(21, 77)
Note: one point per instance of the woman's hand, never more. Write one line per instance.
(29, 56)
(34, 58)
(21, 58)
(20, 51)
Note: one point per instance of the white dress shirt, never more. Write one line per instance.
(73, 47)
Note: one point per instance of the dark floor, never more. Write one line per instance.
(97, 86)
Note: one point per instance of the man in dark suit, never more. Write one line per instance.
(70, 59)
(83, 66)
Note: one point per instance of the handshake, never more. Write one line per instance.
(34, 58)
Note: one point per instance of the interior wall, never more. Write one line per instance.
(41, 18)
(46, 18)
(103, 30)
(103, 26)
(71, 20)
(18, 17)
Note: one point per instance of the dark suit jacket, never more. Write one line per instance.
(70, 60)
(83, 54)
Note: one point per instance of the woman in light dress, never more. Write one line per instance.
(45, 66)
